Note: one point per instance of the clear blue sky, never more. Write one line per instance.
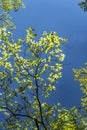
(69, 21)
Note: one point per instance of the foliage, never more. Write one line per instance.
(81, 77)
(29, 73)
(24, 88)
(5, 21)
(83, 5)
(5, 7)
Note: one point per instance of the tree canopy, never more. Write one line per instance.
(29, 72)
(7, 5)
(83, 5)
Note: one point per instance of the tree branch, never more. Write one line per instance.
(37, 96)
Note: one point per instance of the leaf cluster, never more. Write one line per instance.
(29, 71)
(83, 5)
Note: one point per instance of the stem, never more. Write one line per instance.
(37, 96)
(22, 115)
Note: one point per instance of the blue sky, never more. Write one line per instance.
(69, 21)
